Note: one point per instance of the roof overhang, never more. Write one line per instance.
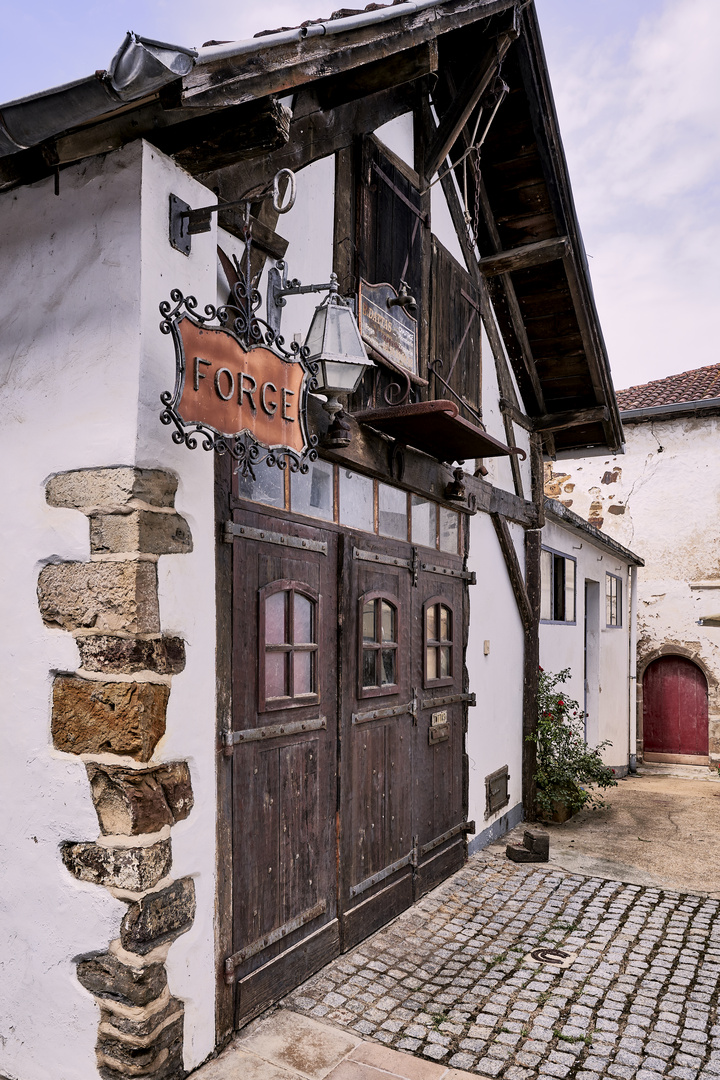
(563, 516)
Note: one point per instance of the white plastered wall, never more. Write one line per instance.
(82, 364)
(495, 724)
(661, 498)
(562, 645)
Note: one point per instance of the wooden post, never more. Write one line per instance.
(533, 539)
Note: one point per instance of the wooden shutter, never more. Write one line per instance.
(390, 227)
(455, 332)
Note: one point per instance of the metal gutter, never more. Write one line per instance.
(140, 67)
(559, 513)
(659, 412)
(324, 29)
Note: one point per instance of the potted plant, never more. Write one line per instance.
(569, 771)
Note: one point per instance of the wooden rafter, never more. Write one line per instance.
(466, 100)
(525, 256)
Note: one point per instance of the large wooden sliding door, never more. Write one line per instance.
(284, 749)
(347, 741)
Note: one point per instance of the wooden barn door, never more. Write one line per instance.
(284, 748)
(675, 712)
(439, 810)
(376, 827)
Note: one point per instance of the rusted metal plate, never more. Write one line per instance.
(231, 390)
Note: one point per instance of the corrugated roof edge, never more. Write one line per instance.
(560, 513)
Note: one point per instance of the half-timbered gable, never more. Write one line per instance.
(289, 326)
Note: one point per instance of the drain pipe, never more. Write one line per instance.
(632, 671)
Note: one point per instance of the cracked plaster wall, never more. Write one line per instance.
(661, 498)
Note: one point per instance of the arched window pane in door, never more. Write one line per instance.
(438, 642)
(379, 626)
(288, 646)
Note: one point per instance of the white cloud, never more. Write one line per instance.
(641, 131)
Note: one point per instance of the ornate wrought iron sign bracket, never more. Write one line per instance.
(237, 388)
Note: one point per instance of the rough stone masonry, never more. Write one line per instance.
(451, 979)
(112, 712)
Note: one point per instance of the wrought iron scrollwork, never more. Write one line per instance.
(239, 317)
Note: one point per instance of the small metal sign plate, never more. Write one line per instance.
(438, 718)
(390, 331)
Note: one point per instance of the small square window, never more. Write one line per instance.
(312, 492)
(424, 522)
(392, 512)
(356, 501)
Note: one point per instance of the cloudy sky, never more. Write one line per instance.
(637, 87)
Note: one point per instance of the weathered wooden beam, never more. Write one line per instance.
(521, 258)
(383, 74)
(316, 134)
(466, 100)
(513, 568)
(210, 142)
(280, 67)
(507, 408)
(561, 421)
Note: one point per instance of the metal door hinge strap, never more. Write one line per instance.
(232, 963)
(466, 827)
(446, 571)
(383, 714)
(451, 699)
(376, 557)
(233, 530)
(273, 731)
(368, 883)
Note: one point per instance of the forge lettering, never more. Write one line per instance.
(244, 389)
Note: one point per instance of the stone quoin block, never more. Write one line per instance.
(144, 1023)
(108, 489)
(135, 869)
(165, 1064)
(105, 976)
(105, 652)
(139, 531)
(100, 596)
(131, 801)
(162, 916)
(108, 718)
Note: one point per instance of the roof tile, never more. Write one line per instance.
(696, 385)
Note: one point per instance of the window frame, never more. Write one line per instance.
(568, 558)
(609, 625)
(387, 689)
(438, 643)
(273, 704)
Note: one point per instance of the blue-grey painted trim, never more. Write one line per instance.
(498, 828)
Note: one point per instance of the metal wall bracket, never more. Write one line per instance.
(180, 225)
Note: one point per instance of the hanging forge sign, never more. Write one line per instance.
(236, 387)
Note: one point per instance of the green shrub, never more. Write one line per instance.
(568, 770)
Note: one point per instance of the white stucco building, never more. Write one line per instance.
(662, 499)
(588, 624)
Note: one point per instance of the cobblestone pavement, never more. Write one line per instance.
(450, 979)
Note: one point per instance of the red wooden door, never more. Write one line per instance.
(675, 709)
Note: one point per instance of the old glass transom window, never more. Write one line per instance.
(289, 646)
(557, 579)
(613, 600)
(379, 645)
